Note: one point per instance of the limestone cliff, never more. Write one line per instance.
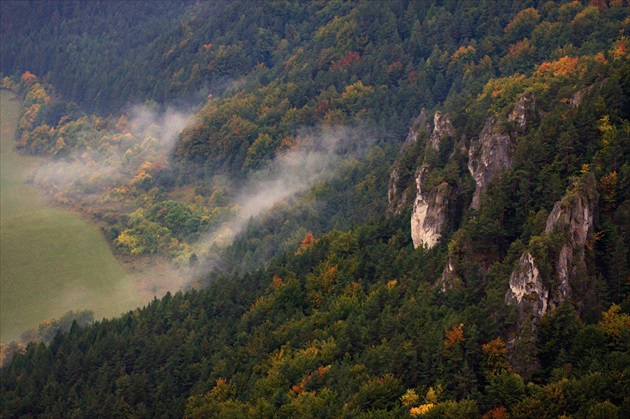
(491, 152)
(573, 214)
(426, 203)
(396, 199)
(420, 123)
(527, 289)
(430, 205)
(429, 211)
(523, 110)
(442, 126)
(399, 194)
(428, 217)
(572, 221)
(486, 156)
(580, 95)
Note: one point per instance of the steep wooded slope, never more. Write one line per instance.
(496, 282)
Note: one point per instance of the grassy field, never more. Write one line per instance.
(51, 261)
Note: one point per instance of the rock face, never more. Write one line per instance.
(399, 199)
(396, 200)
(573, 218)
(430, 206)
(492, 151)
(429, 212)
(574, 212)
(527, 289)
(578, 97)
(524, 107)
(421, 122)
(487, 156)
(449, 280)
(442, 126)
(428, 216)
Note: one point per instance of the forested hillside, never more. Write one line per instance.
(390, 209)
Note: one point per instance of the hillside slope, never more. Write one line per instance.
(465, 252)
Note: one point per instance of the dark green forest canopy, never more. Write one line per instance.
(324, 307)
(104, 55)
(89, 50)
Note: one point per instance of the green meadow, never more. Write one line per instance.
(51, 261)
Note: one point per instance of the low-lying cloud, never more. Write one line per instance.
(148, 133)
(165, 126)
(153, 134)
(319, 154)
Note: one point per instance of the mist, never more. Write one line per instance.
(147, 135)
(81, 179)
(319, 153)
(145, 132)
(165, 126)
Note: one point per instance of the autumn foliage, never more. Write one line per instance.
(345, 61)
(565, 66)
(496, 356)
(454, 336)
(350, 321)
(307, 242)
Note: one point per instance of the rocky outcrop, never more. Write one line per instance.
(492, 151)
(430, 205)
(426, 203)
(572, 220)
(442, 126)
(450, 280)
(524, 108)
(487, 156)
(527, 289)
(399, 197)
(420, 123)
(578, 97)
(428, 217)
(397, 200)
(574, 214)
(429, 212)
